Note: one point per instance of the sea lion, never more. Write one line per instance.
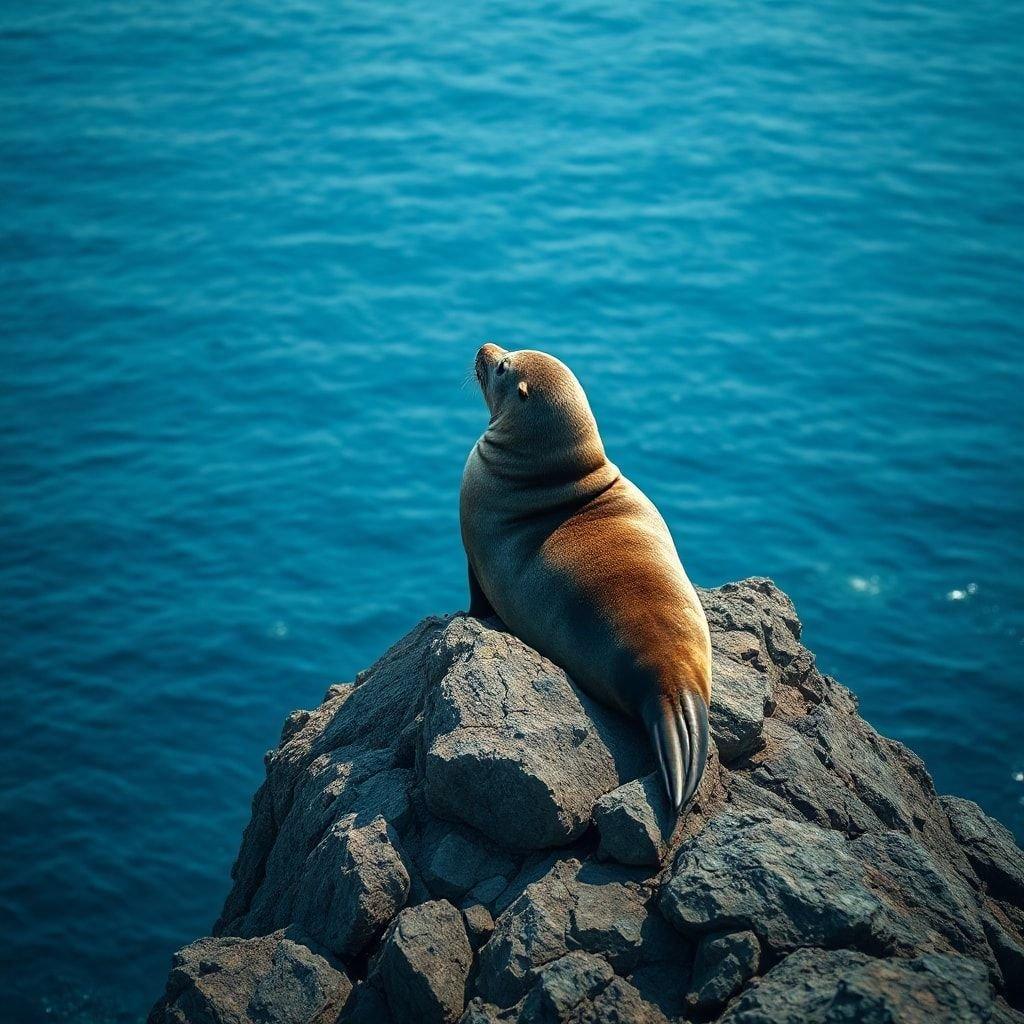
(577, 562)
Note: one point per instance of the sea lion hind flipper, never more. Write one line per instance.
(695, 714)
(679, 734)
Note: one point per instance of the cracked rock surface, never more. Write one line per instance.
(461, 835)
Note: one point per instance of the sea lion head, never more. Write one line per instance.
(537, 405)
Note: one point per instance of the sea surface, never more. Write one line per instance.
(248, 252)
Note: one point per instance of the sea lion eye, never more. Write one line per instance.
(502, 367)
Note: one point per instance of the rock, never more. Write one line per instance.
(355, 883)
(454, 860)
(461, 832)
(573, 906)
(529, 934)
(563, 985)
(479, 1012)
(617, 1003)
(990, 848)
(512, 748)
(479, 924)
(368, 1005)
(726, 961)
(662, 975)
(270, 980)
(424, 963)
(924, 908)
(742, 692)
(634, 822)
(813, 986)
(792, 884)
(1004, 928)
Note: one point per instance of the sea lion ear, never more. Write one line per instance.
(524, 390)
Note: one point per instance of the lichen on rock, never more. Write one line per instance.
(460, 834)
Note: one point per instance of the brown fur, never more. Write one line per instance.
(571, 555)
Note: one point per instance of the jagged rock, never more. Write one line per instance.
(479, 924)
(813, 986)
(662, 975)
(529, 934)
(461, 825)
(924, 909)
(742, 693)
(356, 883)
(635, 822)
(453, 860)
(617, 1003)
(725, 962)
(573, 906)
(520, 755)
(989, 847)
(792, 884)
(270, 980)
(424, 963)
(563, 985)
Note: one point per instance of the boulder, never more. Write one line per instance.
(460, 834)
(814, 986)
(520, 756)
(792, 884)
(271, 980)
(424, 962)
(725, 962)
(635, 822)
(355, 884)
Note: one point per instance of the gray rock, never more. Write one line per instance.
(453, 860)
(463, 767)
(529, 934)
(634, 822)
(368, 1005)
(512, 748)
(573, 906)
(355, 883)
(488, 892)
(617, 1003)
(607, 915)
(1004, 929)
(563, 985)
(662, 975)
(480, 1012)
(742, 692)
(813, 986)
(424, 963)
(792, 884)
(270, 980)
(925, 909)
(725, 962)
(989, 847)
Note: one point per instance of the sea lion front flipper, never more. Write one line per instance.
(679, 734)
(479, 606)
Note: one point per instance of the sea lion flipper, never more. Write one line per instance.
(665, 737)
(695, 715)
(679, 734)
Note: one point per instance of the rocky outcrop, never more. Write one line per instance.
(460, 834)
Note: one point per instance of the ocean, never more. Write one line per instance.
(248, 253)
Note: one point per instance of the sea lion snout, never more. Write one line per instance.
(487, 355)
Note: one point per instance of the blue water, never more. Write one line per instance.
(248, 252)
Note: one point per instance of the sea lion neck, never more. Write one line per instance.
(543, 458)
